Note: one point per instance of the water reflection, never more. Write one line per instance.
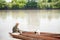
(22, 13)
(49, 14)
(30, 20)
(3, 14)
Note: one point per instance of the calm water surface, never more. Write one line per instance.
(30, 20)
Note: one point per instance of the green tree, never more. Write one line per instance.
(9, 5)
(18, 3)
(48, 4)
(57, 4)
(22, 3)
(54, 3)
(31, 4)
(49, 0)
(2, 4)
(42, 4)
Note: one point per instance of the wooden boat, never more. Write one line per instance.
(32, 35)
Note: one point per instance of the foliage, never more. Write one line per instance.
(23, 4)
(2, 4)
(49, 4)
(18, 3)
(57, 5)
(31, 5)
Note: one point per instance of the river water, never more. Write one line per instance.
(29, 20)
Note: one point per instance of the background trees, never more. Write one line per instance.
(2, 4)
(30, 4)
(49, 4)
(18, 3)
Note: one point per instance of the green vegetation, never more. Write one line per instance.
(49, 4)
(31, 5)
(2, 4)
(24, 4)
(16, 4)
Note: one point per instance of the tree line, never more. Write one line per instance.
(23, 4)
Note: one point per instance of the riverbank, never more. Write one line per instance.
(33, 9)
